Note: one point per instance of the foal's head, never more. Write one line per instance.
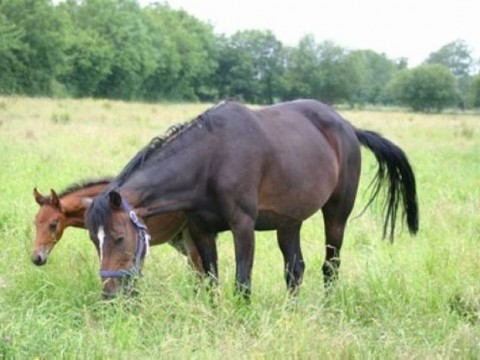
(121, 240)
(50, 222)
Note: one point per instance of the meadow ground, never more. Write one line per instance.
(415, 299)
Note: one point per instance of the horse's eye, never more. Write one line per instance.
(53, 226)
(119, 240)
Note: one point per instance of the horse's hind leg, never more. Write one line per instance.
(335, 215)
(289, 242)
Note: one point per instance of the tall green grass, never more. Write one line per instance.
(418, 298)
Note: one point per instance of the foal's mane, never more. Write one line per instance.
(84, 184)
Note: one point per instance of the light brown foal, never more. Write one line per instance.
(58, 212)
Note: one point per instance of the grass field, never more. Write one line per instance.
(418, 298)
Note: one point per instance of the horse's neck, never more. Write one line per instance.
(91, 191)
(170, 183)
(75, 204)
(74, 210)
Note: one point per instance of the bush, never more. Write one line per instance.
(425, 88)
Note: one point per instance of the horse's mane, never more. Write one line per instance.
(84, 184)
(159, 142)
(100, 212)
(156, 143)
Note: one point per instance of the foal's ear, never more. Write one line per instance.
(115, 199)
(54, 200)
(39, 198)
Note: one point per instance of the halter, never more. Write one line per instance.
(143, 243)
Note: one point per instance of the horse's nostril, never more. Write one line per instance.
(38, 260)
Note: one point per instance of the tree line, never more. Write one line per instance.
(118, 49)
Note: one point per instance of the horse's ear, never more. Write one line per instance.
(39, 198)
(115, 199)
(54, 200)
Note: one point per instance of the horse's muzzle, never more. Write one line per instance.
(39, 259)
(119, 286)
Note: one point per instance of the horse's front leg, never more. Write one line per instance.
(244, 239)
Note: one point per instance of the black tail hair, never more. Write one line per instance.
(394, 172)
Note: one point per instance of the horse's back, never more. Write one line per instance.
(321, 115)
(288, 152)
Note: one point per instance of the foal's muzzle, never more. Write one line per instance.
(40, 257)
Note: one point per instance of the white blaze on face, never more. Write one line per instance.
(101, 239)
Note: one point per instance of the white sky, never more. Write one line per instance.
(398, 28)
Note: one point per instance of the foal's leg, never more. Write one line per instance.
(184, 244)
(194, 258)
(289, 241)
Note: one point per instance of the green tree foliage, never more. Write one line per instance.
(10, 45)
(375, 70)
(425, 88)
(89, 62)
(321, 70)
(185, 56)
(38, 44)
(250, 66)
(302, 69)
(475, 90)
(339, 73)
(89, 56)
(124, 50)
(125, 45)
(456, 56)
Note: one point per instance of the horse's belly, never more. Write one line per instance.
(294, 205)
(299, 185)
(268, 220)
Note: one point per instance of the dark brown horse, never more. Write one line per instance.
(242, 170)
(58, 212)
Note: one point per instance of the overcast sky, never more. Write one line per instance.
(406, 28)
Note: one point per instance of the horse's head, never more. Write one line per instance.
(50, 222)
(121, 239)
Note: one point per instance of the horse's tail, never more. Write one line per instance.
(396, 174)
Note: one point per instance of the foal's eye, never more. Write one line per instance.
(53, 226)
